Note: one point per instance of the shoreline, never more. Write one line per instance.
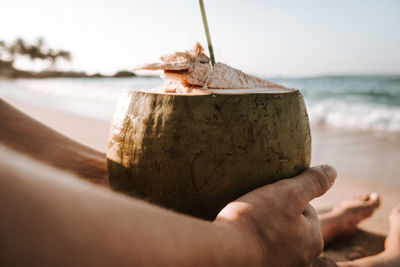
(359, 159)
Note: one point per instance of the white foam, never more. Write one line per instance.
(356, 116)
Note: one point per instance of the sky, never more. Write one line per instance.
(268, 38)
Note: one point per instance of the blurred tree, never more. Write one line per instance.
(34, 51)
(54, 55)
(3, 49)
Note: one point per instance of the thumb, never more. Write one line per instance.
(311, 183)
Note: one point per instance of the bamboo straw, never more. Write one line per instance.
(203, 15)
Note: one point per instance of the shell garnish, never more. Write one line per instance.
(189, 70)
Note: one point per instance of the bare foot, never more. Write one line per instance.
(390, 257)
(392, 242)
(342, 221)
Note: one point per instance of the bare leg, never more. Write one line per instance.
(342, 221)
(390, 257)
(35, 140)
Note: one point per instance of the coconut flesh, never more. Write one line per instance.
(195, 144)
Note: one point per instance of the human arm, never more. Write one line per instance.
(66, 221)
(34, 139)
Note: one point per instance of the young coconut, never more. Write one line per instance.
(193, 145)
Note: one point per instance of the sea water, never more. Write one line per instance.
(366, 103)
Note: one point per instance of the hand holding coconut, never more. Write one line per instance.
(278, 226)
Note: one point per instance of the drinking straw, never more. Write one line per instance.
(203, 15)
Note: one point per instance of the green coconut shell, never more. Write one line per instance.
(196, 153)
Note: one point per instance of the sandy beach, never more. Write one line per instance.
(365, 163)
(90, 132)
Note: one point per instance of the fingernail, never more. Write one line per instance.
(330, 172)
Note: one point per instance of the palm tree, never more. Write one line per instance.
(52, 56)
(34, 51)
(2, 48)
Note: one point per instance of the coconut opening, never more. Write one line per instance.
(194, 92)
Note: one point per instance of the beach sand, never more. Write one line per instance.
(365, 163)
(90, 132)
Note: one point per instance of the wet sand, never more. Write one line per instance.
(365, 163)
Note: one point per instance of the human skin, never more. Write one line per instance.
(29, 137)
(343, 219)
(54, 218)
(390, 257)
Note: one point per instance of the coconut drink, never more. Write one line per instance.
(207, 136)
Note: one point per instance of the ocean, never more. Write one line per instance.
(361, 103)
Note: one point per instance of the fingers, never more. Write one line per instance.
(312, 183)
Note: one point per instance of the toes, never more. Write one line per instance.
(357, 197)
(371, 203)
(394, 217)
(373, 200)
(395, 211)
(361, 206)
(372, 197)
